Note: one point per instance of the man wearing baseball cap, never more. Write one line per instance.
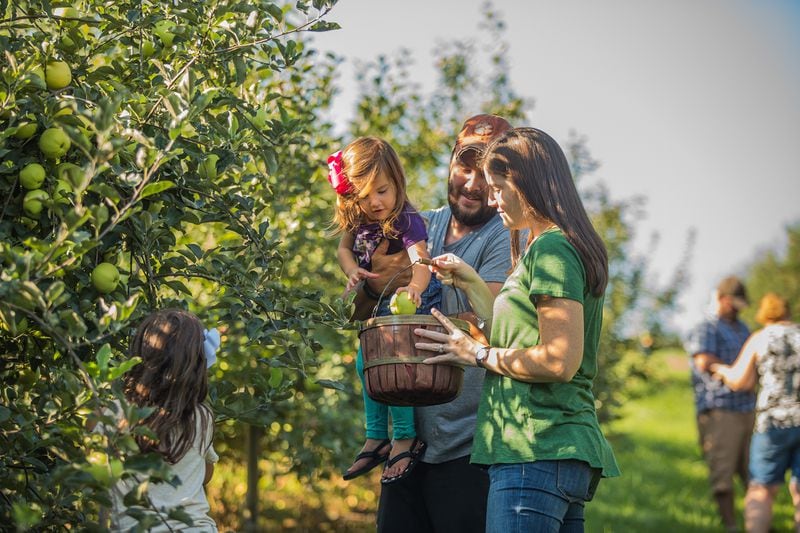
(725, 418)
(444, 492)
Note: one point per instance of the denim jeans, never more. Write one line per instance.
(543, 496)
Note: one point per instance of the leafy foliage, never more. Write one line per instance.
(776, 272)
(186, 121)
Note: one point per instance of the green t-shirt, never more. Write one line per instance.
(523, 422)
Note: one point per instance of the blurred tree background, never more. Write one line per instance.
(197, 169)
(777, 272)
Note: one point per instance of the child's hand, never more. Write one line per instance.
(414, 294)
(355, 276)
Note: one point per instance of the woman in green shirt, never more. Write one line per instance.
(537, 426)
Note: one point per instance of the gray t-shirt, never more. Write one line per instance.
(448, 428)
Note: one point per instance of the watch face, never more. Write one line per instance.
(482, 354)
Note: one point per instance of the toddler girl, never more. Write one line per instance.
(372, 206)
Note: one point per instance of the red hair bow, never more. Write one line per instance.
(336, 176)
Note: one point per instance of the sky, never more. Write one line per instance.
(692, 104)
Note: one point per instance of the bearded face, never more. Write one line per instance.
(467, 192)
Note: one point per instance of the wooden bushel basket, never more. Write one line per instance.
(393, 370)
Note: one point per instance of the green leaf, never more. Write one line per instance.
(102, 357)
(330, 384)
(123, 367)
(54, 291)
(179, 514)
(178, 286)
(275, 377)
(154, 188)
(274, 11)
(324, 26)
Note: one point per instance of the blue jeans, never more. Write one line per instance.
(772, 453)
(543, 496)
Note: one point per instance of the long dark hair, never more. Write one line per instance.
(536, 167)
(172, 378)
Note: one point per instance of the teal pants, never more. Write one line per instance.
(377, 414)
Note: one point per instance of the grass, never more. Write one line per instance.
(663, 487)
(664, 484)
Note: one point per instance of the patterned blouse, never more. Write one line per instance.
(778, 365)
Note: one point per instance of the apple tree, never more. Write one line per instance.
(145, 149)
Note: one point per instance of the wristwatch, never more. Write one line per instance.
(482, 355)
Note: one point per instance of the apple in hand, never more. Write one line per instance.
(208, 167)
(32, 176)
(54, 143)
(33, 202)
(401, 304)
(105, 277)
(57, 75)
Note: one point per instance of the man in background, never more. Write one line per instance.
(724, 418)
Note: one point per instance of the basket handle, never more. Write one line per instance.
(422, 261)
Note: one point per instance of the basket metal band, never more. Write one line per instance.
(393, 361)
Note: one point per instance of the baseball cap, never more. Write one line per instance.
(733, 286)
(477, 132)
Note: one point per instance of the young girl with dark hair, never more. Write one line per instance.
(171, 378)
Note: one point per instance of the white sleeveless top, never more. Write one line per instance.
(189, 494)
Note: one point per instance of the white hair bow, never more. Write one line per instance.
(211, 344)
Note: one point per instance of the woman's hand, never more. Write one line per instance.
(455, 346)
(452, 270)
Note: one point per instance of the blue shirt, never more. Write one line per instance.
(723, 339)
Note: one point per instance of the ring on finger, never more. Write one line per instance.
(441, 348)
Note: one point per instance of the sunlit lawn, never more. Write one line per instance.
(663, 487)
(664, 480)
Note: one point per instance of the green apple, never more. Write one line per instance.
(57, 75)
(163, 30)
(71, 173)
(54, 143)
(208, 167)
(26, 130)
(148, 48)
(32, 176)
(105, 277)
(33, 202)
(401, 304)
(66, 110)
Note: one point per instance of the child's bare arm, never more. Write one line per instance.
(348, 264)
(209, 472)
(420, 276)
